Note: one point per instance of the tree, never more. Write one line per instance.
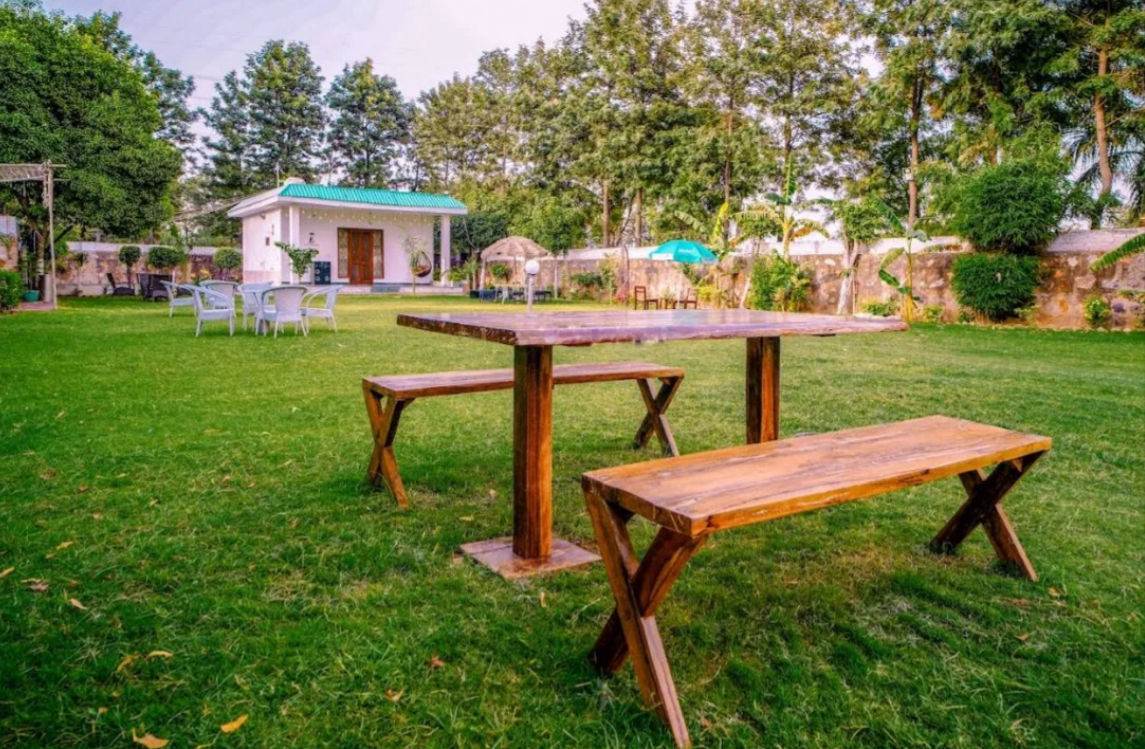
(69, 101)
(1107, 55)
(170, 87)
(282, 90)
(804, 84)
(371, 122)
(632, 97)
(908, 39)
(230, 168)
(1002, 78)
(724, 57)
(449, 128)
(862, 221)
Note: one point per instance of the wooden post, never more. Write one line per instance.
(532, 451)
(762, 390)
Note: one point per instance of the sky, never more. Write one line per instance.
(420, 43)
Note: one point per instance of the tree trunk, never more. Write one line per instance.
(606, 229)
(915, 119)
(1103, 165)
(638, 233)
(847, 288)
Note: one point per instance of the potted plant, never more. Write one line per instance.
(129, 255)
(300, 258)
(227, 259)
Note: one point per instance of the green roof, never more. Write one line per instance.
(371, 196)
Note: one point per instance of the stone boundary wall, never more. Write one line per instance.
(101, 258)
(1067, 284)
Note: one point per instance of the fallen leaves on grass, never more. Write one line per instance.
(160, 654)
(1054, 593)
(1024, 636)
(63, 545)
(97, 516)
(7, 572)
(75, 604)
(149, 741)
(48, 475)
(544, 605)
(234, 725)
(393, 696)
(35, 585)
(436, 662)
(127, 661)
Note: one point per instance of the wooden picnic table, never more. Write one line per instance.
(532, 549)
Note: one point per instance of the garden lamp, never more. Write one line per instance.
(532, 268)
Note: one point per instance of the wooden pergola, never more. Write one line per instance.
(42, 173)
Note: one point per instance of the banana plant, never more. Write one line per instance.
(718, 241)
(779, 217)
(1133, 246)
(904, 287)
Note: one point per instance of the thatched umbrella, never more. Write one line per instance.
(511, 249)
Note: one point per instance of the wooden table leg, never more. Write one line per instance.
(981, 508)
(532, 451)
(762, 389)
(638, 590)
(532, 549)
(655, 420)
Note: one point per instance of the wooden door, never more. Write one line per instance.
(360, 256)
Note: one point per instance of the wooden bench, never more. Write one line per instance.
(693, 496)
(387, 397)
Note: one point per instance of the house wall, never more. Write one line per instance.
(319, 229)
(262, 260)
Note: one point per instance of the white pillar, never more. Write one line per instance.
(292, 230)
(445, 250)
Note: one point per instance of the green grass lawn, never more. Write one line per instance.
(204, 497)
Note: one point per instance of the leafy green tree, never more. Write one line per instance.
(862, 221)
(66, 100)
(171, 88)
(449, 128)
(909, 41)
(724, 56)
(1001, 80)
(283, 94)
(371, 121)
(780, 216)
(1106, 55)
(230, 168)
(804, 85)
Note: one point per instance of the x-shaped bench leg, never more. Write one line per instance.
(981, 508)
(384, 425)
(638, 589)
(655, 420)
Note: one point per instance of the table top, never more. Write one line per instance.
(628, 326)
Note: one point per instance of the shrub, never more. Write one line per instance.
(1098, 313)
(882, 309)
(165, 258)
(129, 255)
(11, 289)
(228, 258)
(995, 285)
(778, 283)
(1015, 206)
(500, 271)
(932, 314)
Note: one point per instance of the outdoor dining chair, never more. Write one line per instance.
(279, 305)
(210, 305)
(173, 298)
(251, 294)
(229, 288)
(324, 311)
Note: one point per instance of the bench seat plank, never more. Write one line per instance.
(703, 492)
(482, 380)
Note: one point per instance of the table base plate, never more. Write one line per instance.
(497, 554)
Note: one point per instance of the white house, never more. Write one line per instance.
(363, 236)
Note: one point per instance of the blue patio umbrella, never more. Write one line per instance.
(683, 251)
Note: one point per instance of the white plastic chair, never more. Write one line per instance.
(252, 296)
(173, 298)
(211, 305)
(230, 288)
(323, 311)
(282, 304)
